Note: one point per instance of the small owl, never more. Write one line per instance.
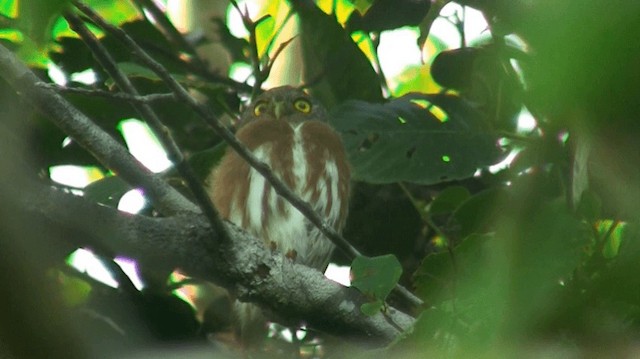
(285, 128)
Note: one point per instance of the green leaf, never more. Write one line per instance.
(115, 12)
(376, 276)
(614, 232)
(132, 69)
(337, 69)
(9, 8)
(75, 291)
(590, 206)
(435, 279)
(476, 214)
(372, 308)
(417, 138)
(448, 200)
(544, 244)
(428, 335)
(107, 191)
(202, 162)
(37, 18)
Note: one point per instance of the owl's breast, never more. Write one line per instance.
(309, 166)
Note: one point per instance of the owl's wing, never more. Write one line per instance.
(329, 175)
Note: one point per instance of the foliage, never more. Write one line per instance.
(536, 252)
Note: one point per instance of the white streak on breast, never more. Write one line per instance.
(332, 179)
(299, 161)
(256, 190)
(235, 213)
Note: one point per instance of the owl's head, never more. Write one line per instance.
(284, 103)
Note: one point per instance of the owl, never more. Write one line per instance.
(287, 129)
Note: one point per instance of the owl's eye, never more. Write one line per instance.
(302, 105)
(260, 108)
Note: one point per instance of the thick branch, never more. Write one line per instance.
(89, 135)
(243, 265)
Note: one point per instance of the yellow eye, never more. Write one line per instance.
(302, 105)
(260, 108)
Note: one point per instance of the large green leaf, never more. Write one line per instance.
(439, 273)
(40, 23)
(416, 138)
(375, 277)
(334, 65)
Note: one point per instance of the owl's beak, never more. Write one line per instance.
(278, 109)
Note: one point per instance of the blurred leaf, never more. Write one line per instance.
(116, 12)
(389, 15)
(9, 8)
(618, 282)
(484, 76)
(11, 35)
(399, 233)
(590, 206)
(341, 9)
(415, 79)
(420, 339)
(202, 162)
(107, 191)
(613, 233)
(335, 67)
(265, 31)
(372, 308)
(375, 276)
(439, 273)
(74, 56)
(453, 68)
(544, 244)
(134, 70)
(75, 291)
(417, 138)
(34, 20)
(238, 48)
(32, 53)
(478, 212)
(448, 200)
(37, 18)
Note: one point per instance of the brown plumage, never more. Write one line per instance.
(287, 129)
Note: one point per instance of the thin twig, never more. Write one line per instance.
(160, 130)
(193, 68)
(280, 187)
(258, 73)
(261, 67)
(120, 96)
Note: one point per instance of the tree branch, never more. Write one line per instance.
(243, 265)
(90, 136)
(119, 96)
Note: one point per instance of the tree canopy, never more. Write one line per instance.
(468, 232)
